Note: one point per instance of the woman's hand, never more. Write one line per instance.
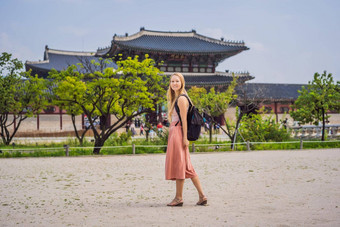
(185, 143)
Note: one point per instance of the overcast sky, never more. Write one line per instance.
(289, 40)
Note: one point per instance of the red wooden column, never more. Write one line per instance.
(275, 110)
(15, 122)
(292, 103)
(38, 122)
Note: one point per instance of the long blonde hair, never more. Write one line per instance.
(171, 94)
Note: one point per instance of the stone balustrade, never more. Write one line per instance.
(314, 131)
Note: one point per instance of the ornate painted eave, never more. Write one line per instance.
(213, 79)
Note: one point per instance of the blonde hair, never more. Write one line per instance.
(171, 94)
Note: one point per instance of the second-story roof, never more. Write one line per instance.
(173, 42)
(61, 60)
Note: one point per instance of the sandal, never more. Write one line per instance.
(202, 201)
(176, 203)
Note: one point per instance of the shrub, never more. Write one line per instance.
(258, 128)
(118, 139)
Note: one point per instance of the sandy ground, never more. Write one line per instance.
(262, 188)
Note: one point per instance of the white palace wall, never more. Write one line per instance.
(50, 123)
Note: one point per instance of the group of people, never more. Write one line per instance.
(132, 127)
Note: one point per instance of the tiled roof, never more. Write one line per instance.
(175, 42)
(267, 91)
(60, 60)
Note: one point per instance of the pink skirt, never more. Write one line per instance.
(177, 162)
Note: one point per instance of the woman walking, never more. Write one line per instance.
(178, 166)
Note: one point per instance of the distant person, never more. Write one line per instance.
(152, 133)
(178, 166)
(218, 126)
(215, 128)
(160, 127)
(132, 128)
(141, 130)
(206, 126)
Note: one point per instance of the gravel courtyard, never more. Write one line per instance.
(259, 188)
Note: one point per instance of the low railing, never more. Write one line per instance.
(245, 146)
(314, 131)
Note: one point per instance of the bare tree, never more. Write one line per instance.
(248, 101)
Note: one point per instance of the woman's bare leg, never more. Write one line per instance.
(178, 200)
(179, 188)
(202, 200)
(197, 183)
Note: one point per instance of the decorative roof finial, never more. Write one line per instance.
(126, 34)
(193, 30)
(141, 29)
(222, 39)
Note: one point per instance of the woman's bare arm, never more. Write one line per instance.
(183, 108)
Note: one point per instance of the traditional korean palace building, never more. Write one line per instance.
(194, 55)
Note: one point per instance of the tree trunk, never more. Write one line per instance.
(99, 142)
(79, 137)
(232, 137)
(146, 135)
(232, 141)
(7, 141)
(81, 141)
(323, 125)
(5, 134)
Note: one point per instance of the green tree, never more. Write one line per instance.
(86, 66)
(131, 90)
(21, 96)
(259, 128)
(320, 96)
(213, 103)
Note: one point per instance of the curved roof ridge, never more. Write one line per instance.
(37, 62)
(69, 52)
(221, 42)
(191, 33)
(153, 33)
